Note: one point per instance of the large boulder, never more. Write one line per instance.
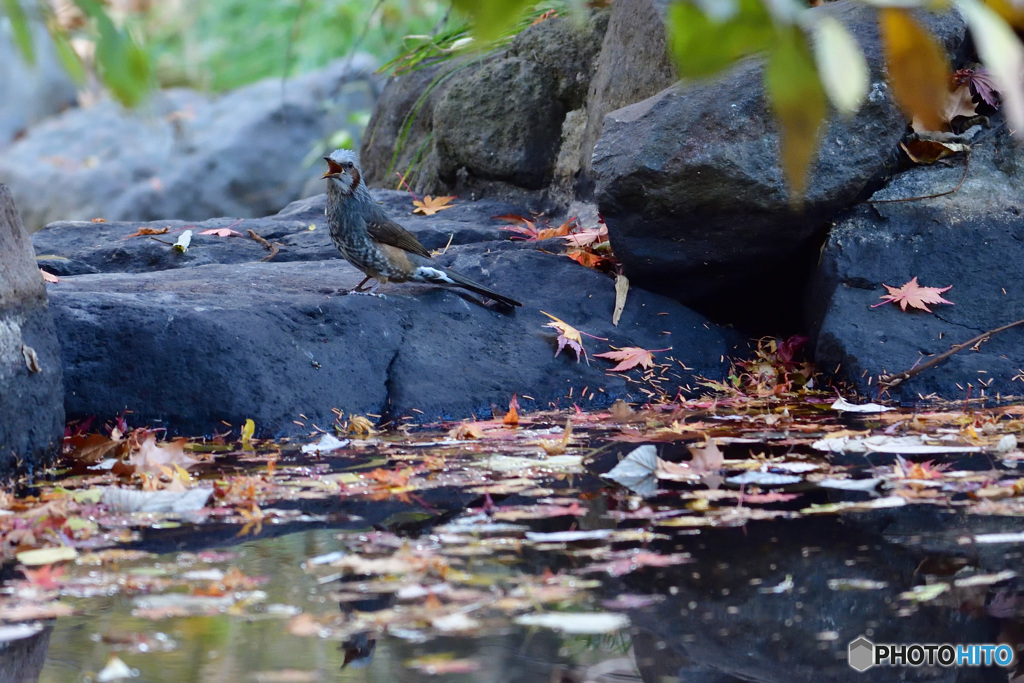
(490, 126)
(690, 185)
(31, 91)
(186, 155)
(31, 393)
(971, 239)
(634, 64)
(215, 334)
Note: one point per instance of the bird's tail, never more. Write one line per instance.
(466, 283)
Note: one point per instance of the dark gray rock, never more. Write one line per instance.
(501, 123)
(190, 347)
(485, 126)
(186, 155)
(31, 92)
(971, 239)
(633, 65)
(689, 183)
(78, 248)
(31, 394)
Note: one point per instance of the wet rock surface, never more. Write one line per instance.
(31, 394)
(967, 239)
(690, 185)
(215, 334)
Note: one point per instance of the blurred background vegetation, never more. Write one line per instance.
(227, 43)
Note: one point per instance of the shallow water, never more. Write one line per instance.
(486, 561)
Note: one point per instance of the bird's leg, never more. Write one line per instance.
(368, 291)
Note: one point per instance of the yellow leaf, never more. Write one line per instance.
(247, 431)
(798, 102)
(918, 68)
(34, 558)
(431, 205)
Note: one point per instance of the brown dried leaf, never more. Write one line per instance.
(147, 231)
(152, 458)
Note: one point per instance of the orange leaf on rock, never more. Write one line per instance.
(431, 205)
(147, 231)
(530, 230)
(914, 295)
(48, 277)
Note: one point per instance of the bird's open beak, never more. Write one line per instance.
(333, 169)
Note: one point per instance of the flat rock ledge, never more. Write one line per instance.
(211, 337)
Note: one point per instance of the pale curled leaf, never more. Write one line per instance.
(621, 290)
(577, 622)
(637, 471)
(842, 405)
(841, 65)
(184, 240)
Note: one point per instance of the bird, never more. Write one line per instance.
(372, 242)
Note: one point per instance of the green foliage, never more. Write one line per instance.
(492, 18)
(20, 28)
(704, 44)
(122, 64)
(228, 43)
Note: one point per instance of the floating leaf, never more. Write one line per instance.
(637, 471)
(918, 68)
(248, 429)
(35, 558)
(842, 405)
(578, 623)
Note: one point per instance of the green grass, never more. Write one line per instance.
(228, 43)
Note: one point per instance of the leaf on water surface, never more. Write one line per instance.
(914, 295)
(925, 593)
(576, 623)
(35, 558)
(454, 623)
(12, 632)
(881, 443)
(131, 500)
(985, 579)
(707, 458)
(637, 471)
(46, 576)
(842, 405)
(115, 670)
(152, 458)
(856, 585)
(568, 536)
(759, 478)
(327, 442)
(511, 418)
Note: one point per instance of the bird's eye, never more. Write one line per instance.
(350, 165)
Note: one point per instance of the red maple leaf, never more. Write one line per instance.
(914, 295)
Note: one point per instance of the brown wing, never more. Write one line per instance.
(389, 232)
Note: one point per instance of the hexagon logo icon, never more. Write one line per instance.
(861, 654)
